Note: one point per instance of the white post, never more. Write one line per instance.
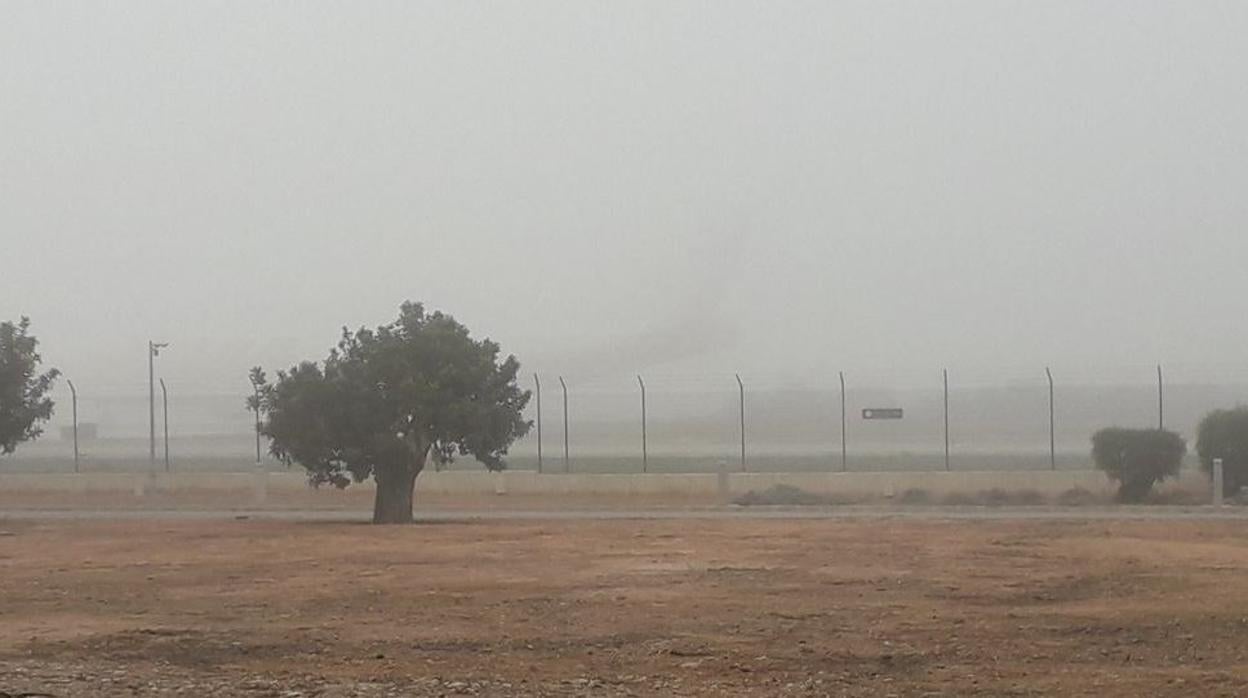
(722, 487)
(1217, 482)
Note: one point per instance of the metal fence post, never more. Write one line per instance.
(1161, 402)
(538, 385)
(567, 462)
(164, 396)
(844, 448)
(1217, 482)
(741, 392)
(74, 398)
(1052, 423)
(645, 455)
(946, 375)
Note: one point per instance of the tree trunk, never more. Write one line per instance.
(393, 501)
(396, 484)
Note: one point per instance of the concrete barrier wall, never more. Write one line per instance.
(702, 484)
(624, 485)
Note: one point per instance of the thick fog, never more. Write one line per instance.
(781, 189)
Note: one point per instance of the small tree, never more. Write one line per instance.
(1137, 458)
(387, 400)
(24, 405)
(1224, 434)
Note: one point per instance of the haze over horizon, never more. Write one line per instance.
(785, 189)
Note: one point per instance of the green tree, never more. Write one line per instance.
(1137, 458)
(1224, 434)
(387, 400)
(24, 404)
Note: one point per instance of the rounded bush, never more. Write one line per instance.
(1137, 458)
(1224, 434)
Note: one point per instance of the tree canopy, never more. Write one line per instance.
(386, 400)
(24, 401)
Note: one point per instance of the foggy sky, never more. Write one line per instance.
(778, 188)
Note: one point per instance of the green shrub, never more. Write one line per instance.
(998, 497)
(781, 495)
(1179, 497)
(959, 499)
(1029, 498)
(994, 497)
(1137, 458)
(1224, 434)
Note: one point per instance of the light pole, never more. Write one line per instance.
(153, 350)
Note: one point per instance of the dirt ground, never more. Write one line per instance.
(327, 499)
(642, 608)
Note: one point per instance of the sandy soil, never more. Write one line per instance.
(758, 608)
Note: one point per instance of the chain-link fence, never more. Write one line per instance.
(669, 423)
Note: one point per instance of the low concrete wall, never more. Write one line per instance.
(126, 482)
(703, 484)
(624, 485)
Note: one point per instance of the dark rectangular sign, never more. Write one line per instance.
(882, 413)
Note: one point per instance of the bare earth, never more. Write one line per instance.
(597, 607)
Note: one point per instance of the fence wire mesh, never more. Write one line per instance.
(997, 420)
